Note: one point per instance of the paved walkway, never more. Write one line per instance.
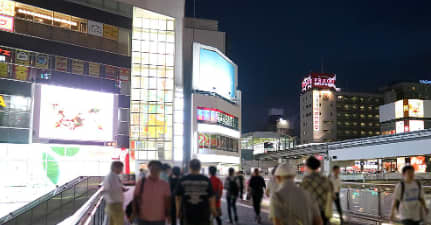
(246, 214)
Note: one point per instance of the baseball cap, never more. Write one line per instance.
(286, 169)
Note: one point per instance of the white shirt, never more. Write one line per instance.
(113, 189)
(410, 206)
(336, 183)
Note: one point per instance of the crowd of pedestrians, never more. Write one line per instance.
(167, 196)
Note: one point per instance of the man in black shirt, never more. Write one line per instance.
(195, 198)
(257, 186)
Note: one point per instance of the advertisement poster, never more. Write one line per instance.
(416, 108)
(22, 58)
(21, 72)
(94, 69)
(75, 114)
(95, 28)
(111, 72)
(77, 67)
(7, 7)
(216, 74)
(42, 61)
(110, 32)
(124, 74)
(61, 64)
(4, 70)
(6, 23)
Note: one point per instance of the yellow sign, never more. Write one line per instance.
(94, 69)
(21, 72)
(7, 7)
(110, 32)
(77, 67)
(4, 70)
(2, 102)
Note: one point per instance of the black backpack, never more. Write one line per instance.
(233, 187)
(402, 192)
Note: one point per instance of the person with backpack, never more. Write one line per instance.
(232, 191)
(241, 182)
(218, 191)
(152, 198)
(409, 198)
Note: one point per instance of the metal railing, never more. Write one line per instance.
(56, 205)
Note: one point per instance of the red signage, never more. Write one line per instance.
(4, 52)
(319, 80)
(6, 23)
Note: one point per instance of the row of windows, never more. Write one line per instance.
(361, 107)
(362, 124)
(354, 115)
(358, 99)
(355, 132)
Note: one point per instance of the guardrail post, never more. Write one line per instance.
(379, 204)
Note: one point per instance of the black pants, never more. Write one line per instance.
(324, 218)
(257, 200)
(410, 222)
(338, 206)
(231, 206)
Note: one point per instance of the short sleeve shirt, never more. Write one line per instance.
(319, 187)
(284, 205)
(410, 206)
(195, 190)
(113, 189)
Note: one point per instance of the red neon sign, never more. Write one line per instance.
(319, 80)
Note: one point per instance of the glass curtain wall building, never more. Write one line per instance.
(152, 85)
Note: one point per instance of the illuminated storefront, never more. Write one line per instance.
(152, 85)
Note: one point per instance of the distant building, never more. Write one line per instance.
(407, 108)
(330, 115)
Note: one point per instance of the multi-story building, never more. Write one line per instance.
(407, 108)
(215, 126)
(330, 115)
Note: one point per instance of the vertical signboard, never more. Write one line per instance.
(316, 111)
(95, 28)
(61, 64)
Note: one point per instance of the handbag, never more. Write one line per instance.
(133, 207)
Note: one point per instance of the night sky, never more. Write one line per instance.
(368, 44)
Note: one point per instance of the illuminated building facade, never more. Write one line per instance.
(328, 114)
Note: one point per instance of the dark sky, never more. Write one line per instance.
(368, 44)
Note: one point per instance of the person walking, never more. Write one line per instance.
(173, 182)
(153, 198)
(319, 187)
(166, 172)
(232, 192)
(409, 198)
(257, 186)
(195, 198)
(113, 192)
(218, 191)
(241, 180)
(284, 200)
(271, 188)
(336, 185)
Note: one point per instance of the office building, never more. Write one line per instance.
(327, 114)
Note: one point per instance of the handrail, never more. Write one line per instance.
(43, 198)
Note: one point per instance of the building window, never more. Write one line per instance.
(362, 107)
(377, 116)
(340, 98)
(370, 124)
(346, 107)
(370, 108)
(377, 132)
(354, 106)
(362, 99)
(347, 115)
(354, 98)
(362, 124)
(370, 116)
(362, 116)
(355, 123)
(370, 133)
(363, 133)
(354, 115)
(347, 123)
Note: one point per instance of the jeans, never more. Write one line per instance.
(410, 222)
(231, 206)
(338, 206)
(257, 200)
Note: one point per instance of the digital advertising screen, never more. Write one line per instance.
(75, 114)
(214, 72)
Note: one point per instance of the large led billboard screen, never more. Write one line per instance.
(213, 72)
(75, 114)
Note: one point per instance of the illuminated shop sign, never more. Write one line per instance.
(409, 108)
(425, 81)
(4, 52)
(2, 102)
(316, 111)
(217, 142)
(6, 23)
(216, 116)
(319, 80)
(35, 14)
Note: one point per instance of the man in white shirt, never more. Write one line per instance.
(409, 198)
(336, 184)
(113, 190)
